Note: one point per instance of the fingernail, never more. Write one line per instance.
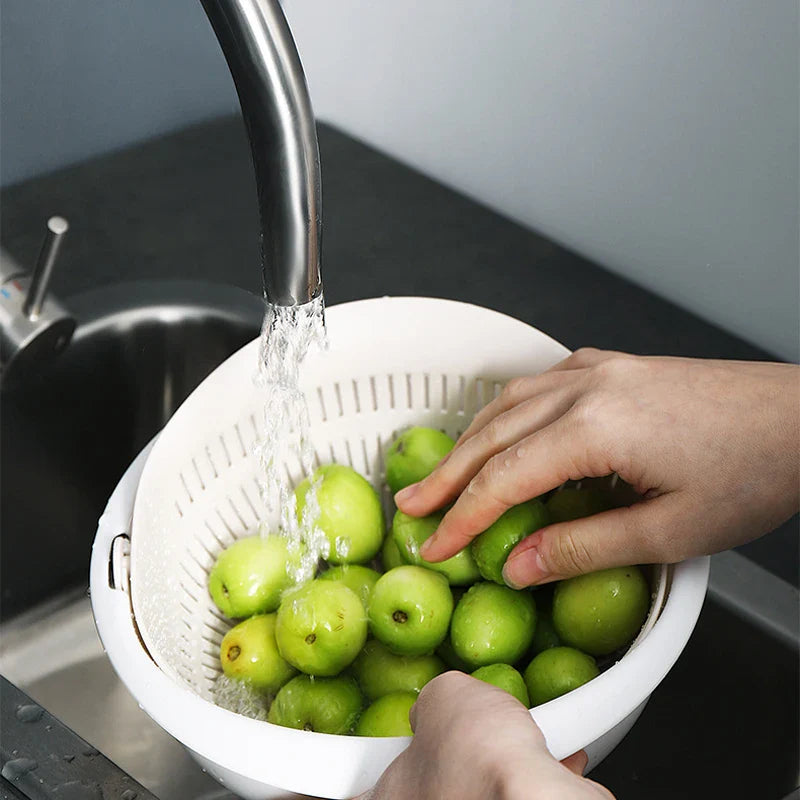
(525, 569)
(406, 494)
(427, 545)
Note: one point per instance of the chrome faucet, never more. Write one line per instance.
(276, 107)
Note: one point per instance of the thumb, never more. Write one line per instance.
(650, 531)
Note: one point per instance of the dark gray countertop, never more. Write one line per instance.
(183, 206)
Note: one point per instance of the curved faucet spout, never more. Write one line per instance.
(276, 107)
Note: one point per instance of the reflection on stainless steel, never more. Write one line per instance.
(722, 724)
(33, 327)
(69, 432)
(45, 759)
(59, 661)
(266, 69)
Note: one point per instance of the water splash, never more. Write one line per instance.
(284, 449)
(240, 698)
(287, 335)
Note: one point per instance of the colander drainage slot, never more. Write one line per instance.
(119, 563)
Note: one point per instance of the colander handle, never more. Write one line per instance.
(111, 548)
(119, 560)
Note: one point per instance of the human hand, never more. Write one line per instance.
(473, 741)
(713, 448)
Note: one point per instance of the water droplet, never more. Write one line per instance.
(342, 546)
(29, 713)
(77, 790)
(17, 768)
(129, 794)
(69, 758)
(91, 752)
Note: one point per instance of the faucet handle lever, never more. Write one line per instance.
(34, 326)
(57, 227)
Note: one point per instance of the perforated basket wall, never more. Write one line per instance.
(391, 363)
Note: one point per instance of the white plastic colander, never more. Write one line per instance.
(391, 363)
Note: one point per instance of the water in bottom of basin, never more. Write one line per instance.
(238, 697)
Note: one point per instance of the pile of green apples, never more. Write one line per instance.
(348, 651)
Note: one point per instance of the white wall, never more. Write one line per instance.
(658, 137)
(82, 77)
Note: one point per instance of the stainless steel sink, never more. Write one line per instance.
(69, 434)
(722, 724)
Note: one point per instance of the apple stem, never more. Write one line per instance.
(400, 616)
(311, 638)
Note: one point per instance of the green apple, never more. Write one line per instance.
(379, 671)
(360, 579)
(493, 625)
(249, 576)
(414, 454)
(570, 504)
(491, 548)
(350, 513)
(324, 705)
(249, 653)
(504, 677)
(321, 627)
(388, 716)
(410, 610)
(390, 553)
(602, 611)
(409, 534)
(557, 671)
